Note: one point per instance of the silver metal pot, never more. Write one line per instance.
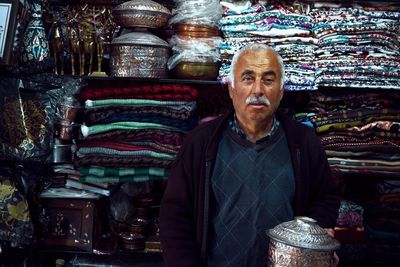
(140, 55)
(141, 13)
(300, 243)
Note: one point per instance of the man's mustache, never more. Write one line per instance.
(258, 100)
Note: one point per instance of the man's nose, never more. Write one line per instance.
(257, 87)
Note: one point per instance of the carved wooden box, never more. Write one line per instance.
(69, 222)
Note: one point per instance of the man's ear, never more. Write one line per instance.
(230, 88)
(281, 94)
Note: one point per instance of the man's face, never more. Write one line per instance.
(256, 74)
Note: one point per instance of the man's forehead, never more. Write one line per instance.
(260, 58)
(258, 61)
(263, 72)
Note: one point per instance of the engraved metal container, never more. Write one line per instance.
(131, 241)
(140, 55)
(300, 242)
(141, 13)
(194, 70)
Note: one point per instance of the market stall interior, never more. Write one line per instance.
(97, 98)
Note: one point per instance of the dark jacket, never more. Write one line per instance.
(184, 215)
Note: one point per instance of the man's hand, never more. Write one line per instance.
(331, 233)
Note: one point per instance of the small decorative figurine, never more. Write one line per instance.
(104, 30)
(87, 36)
(57, 45)
(74, 41)
(57, 35)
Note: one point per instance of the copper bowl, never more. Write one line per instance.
(184, 27)
(190, 31)
(141, 13)
(66, 130)
(196, 70)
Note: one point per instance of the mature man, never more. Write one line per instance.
(243, 173)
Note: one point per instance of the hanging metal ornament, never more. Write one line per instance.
(36, 45)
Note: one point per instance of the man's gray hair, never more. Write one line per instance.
(255, 47)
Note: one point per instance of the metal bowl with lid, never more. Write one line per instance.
(141, 13)
(140, 55)
(196, 70)
(300, 242)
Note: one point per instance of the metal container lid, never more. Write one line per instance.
(139, 38)
(142, 5)
(303, 232)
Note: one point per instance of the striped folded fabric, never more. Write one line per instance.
(171, 92)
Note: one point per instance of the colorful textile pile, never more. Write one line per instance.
(360, 132)
(132, 134)
(288, 29)
(349, 224)
(322, 44)
(357, 46)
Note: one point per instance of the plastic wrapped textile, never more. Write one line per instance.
(16, 227)
(121, 207)
(26, 121)
(194, 50)
(206, 12)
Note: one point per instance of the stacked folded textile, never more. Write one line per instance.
(358, 46)
(360, 133)
(132, 134)
(288, 29)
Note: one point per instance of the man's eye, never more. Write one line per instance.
(268, 81)
(247, 79)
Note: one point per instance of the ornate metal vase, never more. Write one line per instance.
(36, 45)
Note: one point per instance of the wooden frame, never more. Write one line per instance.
(8, 25)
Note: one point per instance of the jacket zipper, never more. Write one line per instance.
(298, 157)
(206, 211)
(297, 175)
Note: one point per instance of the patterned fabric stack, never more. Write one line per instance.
(350, 230)
(360, 132)
(357, 46)
(288, 29)
(349, 224)
(132, 134)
